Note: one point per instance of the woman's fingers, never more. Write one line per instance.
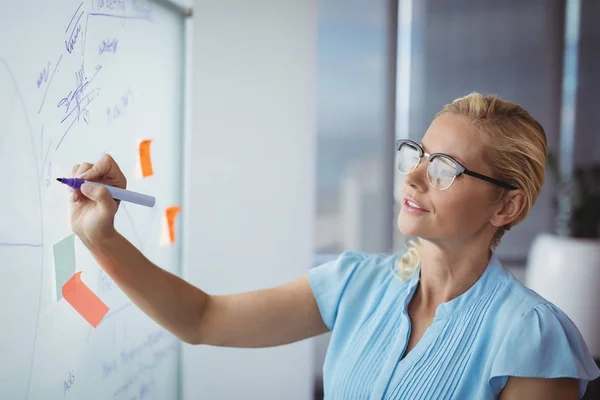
(107, 170)
(100, 169)
(83, 168)
(75, 195)
(74, 170)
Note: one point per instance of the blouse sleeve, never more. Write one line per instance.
(329, 282)
(543, 343)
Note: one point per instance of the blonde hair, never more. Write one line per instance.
(514, 146)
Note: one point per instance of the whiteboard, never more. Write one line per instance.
(77, 80)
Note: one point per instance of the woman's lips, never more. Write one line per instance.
(413, 207)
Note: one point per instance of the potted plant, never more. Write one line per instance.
(577, 201)
(564, 267)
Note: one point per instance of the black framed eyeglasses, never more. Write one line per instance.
(442, 169)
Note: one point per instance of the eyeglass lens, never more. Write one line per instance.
(441, 171)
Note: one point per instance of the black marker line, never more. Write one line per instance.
(30, 131)
(49, 82)
(118, 310)
(85, 34)
(73, 122)
(152, 218)
(79, 89)
(8, 113)
(87, 339)
(77, 23)
(78, 107)
(137, 236)
(73, 41)
(16, 244)
(119, 16)
(74, 14)
(114, 325)
(45, 158)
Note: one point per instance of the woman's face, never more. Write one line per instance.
(462, 211)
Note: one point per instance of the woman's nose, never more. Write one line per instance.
(417, 179)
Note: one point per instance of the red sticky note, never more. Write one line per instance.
(145, 159)
(171, 214)
(83, 300)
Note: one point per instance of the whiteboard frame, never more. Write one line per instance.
(186, 158)
(177, 6)
(187, 13)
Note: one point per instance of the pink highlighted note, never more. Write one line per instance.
(83, 300)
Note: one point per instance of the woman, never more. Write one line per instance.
(445, 320)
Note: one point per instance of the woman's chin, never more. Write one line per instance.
(409, 227)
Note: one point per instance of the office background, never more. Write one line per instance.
(296, 106)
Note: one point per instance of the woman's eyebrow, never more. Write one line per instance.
(456, 158)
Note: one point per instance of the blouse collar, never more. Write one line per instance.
(493, 271)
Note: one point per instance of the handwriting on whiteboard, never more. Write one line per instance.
(76, 102)
(149, 352)
(73, 29)
(68, 383)
(138, 363)
(141, 384)
(43, 78)
(125, 9)
(118, 110)
(107, 284)
(108, 46)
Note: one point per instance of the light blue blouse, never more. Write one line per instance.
(496, 329)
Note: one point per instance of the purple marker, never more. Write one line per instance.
(115, 192)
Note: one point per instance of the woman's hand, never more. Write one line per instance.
(92, 208)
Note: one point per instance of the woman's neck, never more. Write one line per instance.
(448, 273)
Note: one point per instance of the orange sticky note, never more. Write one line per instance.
(145, 159)
(83, 300)
(171, 214)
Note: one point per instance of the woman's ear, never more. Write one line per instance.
(509, 207)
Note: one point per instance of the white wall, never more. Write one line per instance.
(248, 211)
(527, 72)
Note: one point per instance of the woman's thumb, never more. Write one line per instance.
(96, 193)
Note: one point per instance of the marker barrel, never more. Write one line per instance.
(115, 192)
(128, 195)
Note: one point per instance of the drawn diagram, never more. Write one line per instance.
(21, 236)
(68, 331)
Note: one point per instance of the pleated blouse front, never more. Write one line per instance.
(496, 329)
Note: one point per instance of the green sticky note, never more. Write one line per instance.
(64, 262)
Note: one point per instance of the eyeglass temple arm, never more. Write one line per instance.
(491, 180)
